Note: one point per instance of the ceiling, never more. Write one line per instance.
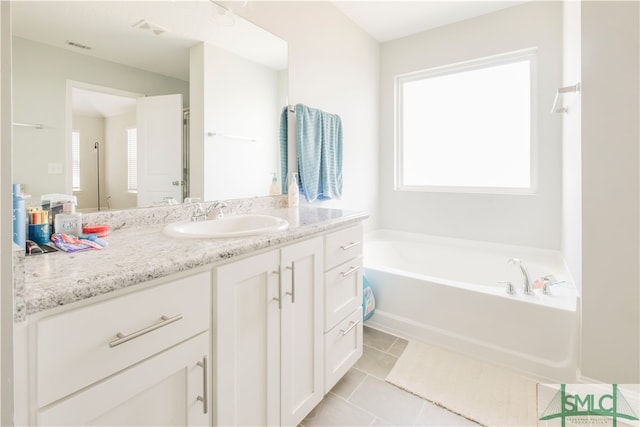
(390, 20)
(97, 104)
(125, 31)
(151, 35)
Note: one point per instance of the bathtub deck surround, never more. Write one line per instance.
(155, 314)
(446, 292)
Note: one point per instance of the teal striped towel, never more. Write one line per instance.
(319, 143)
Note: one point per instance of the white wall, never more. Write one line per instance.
(610, 191)
(571, 244)
(6, 224)
(241, 98)
(40, 74)
(91, 129)
(333, 66)
(196, 120)
(532, 220)
(115, 153)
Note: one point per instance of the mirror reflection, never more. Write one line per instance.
(126, 104)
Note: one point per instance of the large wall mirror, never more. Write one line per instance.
(127, 104)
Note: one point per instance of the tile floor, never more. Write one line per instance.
(363, 398)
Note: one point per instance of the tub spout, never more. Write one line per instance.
(527, 289)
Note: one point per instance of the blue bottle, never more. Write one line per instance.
(19, 217)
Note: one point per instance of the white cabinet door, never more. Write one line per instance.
(169, 389)
(302, 386)
(269, 337)
(247, 346)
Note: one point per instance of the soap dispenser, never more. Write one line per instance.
(275, 188)
(69, 221)
(293, 193)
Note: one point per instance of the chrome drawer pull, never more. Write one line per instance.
(163, 322)
(351, 271)
(353, 325)
(293, 282)
(279, 299)
(205, 393)
(349, 246)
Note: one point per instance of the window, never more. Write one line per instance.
(467, 127)
(132, 160)
(75, 160)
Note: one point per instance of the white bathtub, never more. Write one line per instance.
(444, 291)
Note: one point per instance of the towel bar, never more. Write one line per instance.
(29, 125)
(225, 135)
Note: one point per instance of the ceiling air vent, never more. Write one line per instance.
(77, 45)
(143, 24)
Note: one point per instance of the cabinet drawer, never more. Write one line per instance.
(80, 347)
(163, 390)
(343, 348)
(342, 291)
(342, 246)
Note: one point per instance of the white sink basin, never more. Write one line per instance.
(233, 226)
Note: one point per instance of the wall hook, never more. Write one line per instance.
(561, 91)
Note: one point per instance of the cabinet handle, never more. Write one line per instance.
(279, 299)
(205, 392)
(293, 282)
(163, 322)
(349, 246)
(353, 325)
(351, 271)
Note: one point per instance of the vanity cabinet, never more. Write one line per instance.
(343, 303)
(268, 322)
(138, 359)
(253, 340)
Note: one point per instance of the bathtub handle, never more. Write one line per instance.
(353, 325)
(510, 289)
(351, 271)
(349, 246)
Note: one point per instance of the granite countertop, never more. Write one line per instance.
(140, 254)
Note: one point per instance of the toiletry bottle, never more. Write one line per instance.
(69, 221)
(293, 194)
(19, 217)
(275, 188)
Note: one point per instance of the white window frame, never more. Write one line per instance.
(511, 57)
(78, 187)
(129, 189)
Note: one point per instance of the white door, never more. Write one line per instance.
(247, 331)
(159, 122)
(168, 389)
(302, 386)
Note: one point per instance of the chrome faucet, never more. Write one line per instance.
(219, 206)
(202, 214)
(527, 289)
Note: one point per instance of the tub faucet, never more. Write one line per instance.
(527, 289)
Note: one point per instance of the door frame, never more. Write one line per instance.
(74, 84)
